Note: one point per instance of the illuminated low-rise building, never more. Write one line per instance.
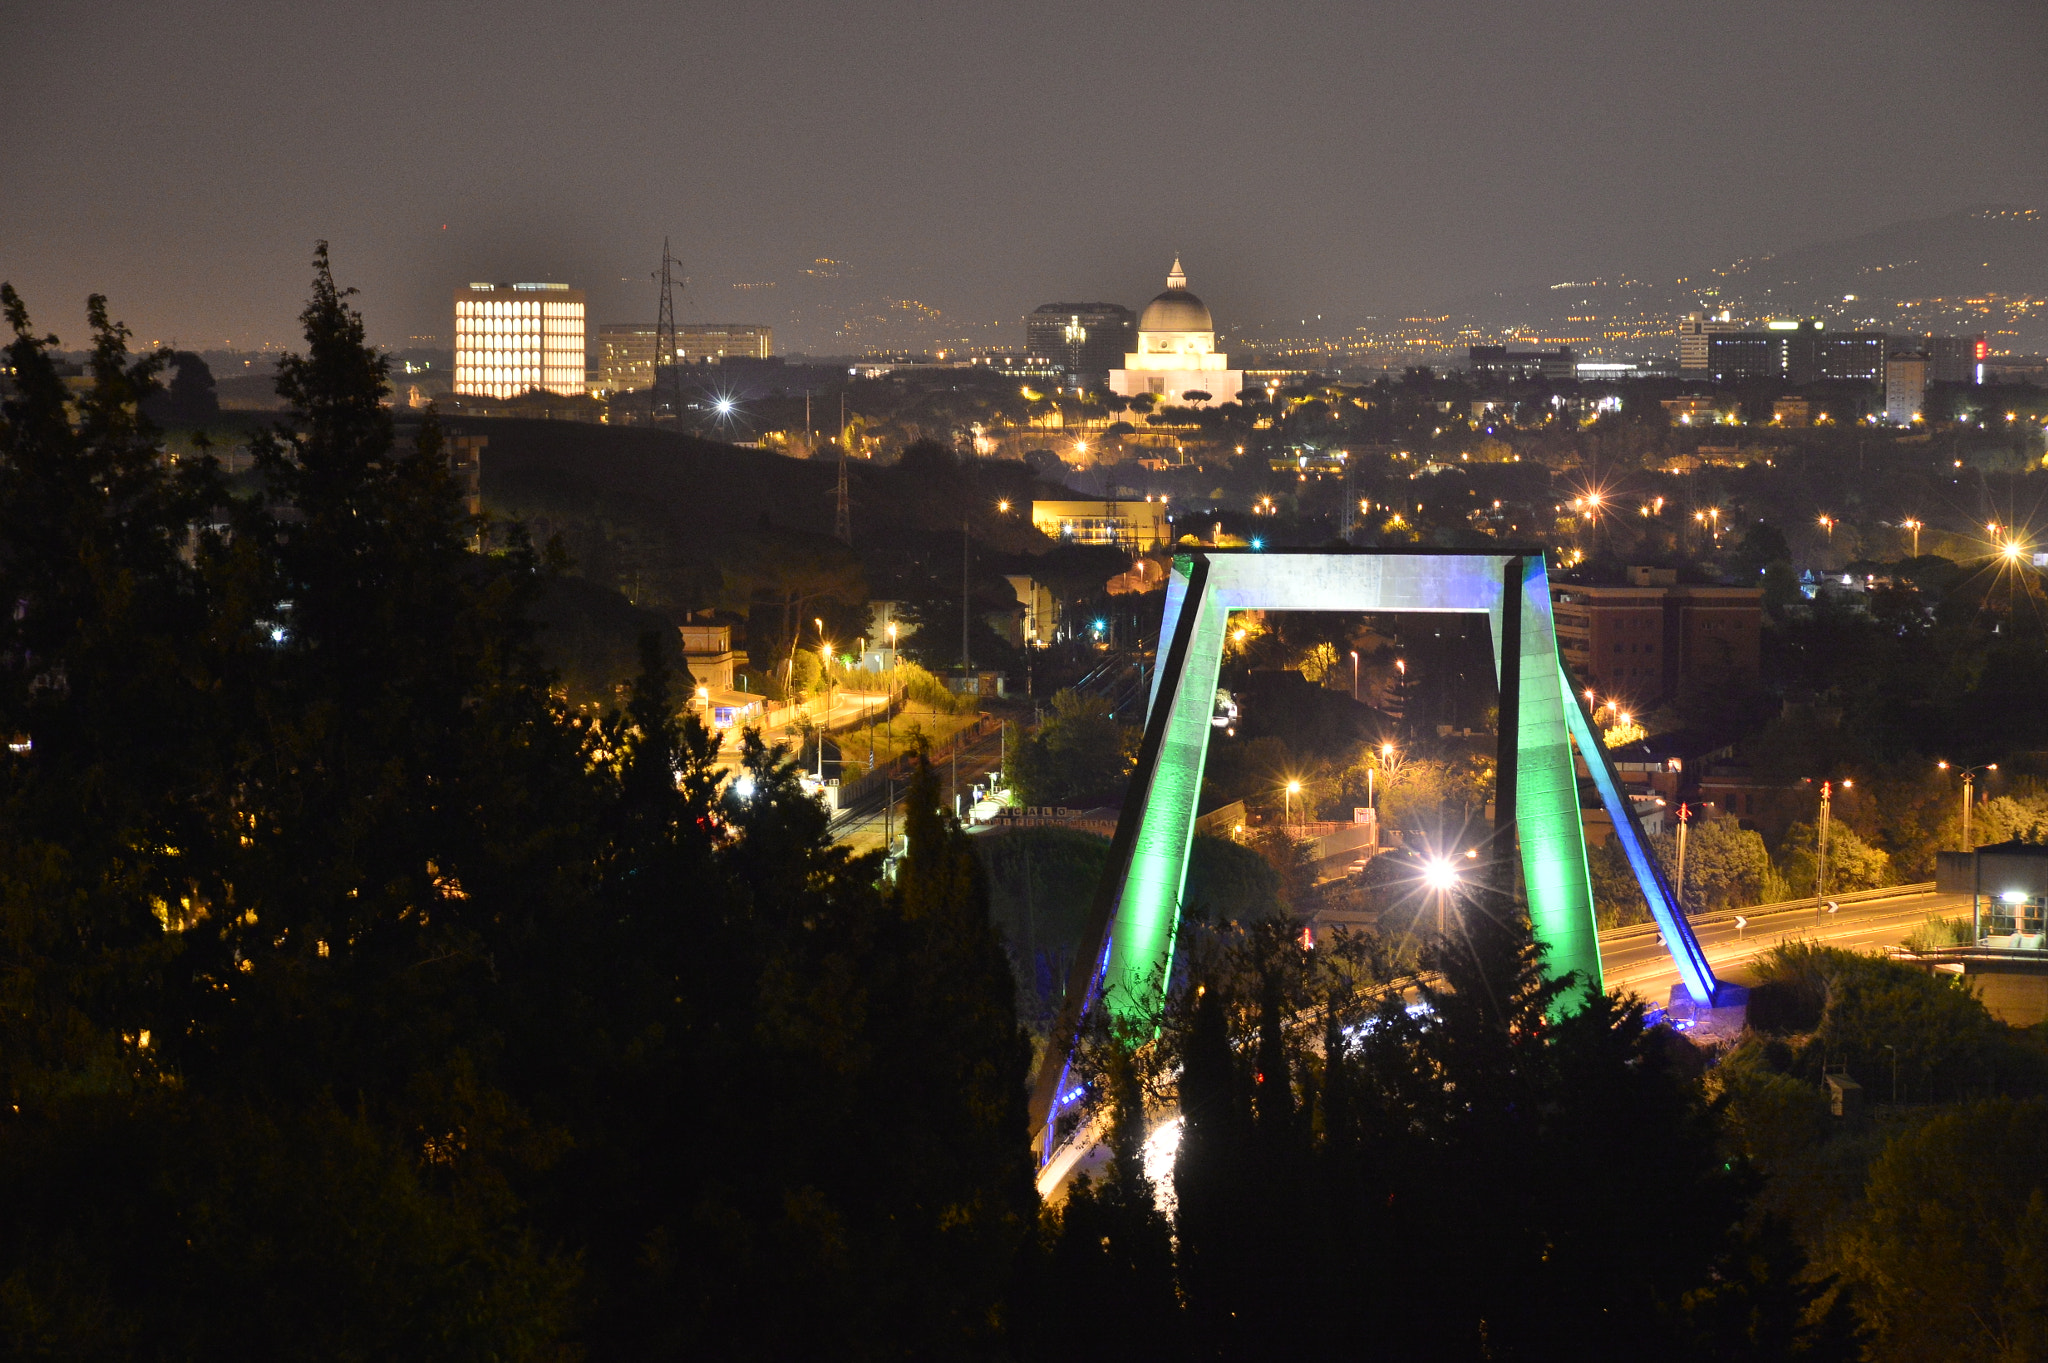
(1138, 525)
(511, 339)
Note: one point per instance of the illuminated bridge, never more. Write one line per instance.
(1127, 945)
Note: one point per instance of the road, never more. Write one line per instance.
(1632, 959)
(847, 708)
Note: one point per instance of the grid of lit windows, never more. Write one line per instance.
(511, 339)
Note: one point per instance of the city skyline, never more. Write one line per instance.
(937, 163)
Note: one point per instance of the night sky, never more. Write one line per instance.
(1303, 159)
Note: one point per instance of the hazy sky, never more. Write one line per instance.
(1303, 158)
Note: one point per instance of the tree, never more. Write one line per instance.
(190, 399)
(1080, 753)
(1950, 1253)
(1853, 864)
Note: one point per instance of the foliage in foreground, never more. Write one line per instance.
(1433, 1161)
(361, 999)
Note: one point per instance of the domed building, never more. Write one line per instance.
(1176, 360)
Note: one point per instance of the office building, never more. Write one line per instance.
(1955, 359)
(1693, 331)
(626, 350)
(1084, 341)
(1905, 387)
(511, 339)
(1639, 643)
(1505, 362)
(625, 357)
(1794, 351)
(1847, 356)
(1138, 525)
(716, 342)
(1176, 360)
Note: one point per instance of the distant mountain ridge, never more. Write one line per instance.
(1980, 269)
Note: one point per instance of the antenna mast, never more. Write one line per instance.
(668, 381)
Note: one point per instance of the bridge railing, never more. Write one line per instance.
(1785, 906)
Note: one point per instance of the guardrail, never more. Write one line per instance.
(1756, 911)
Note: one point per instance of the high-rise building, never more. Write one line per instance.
(513, 338)
(626, 350)
(1954, 359)
(1905, 387)
(1084, 340)
(1796, 351)
(1693, 330)
(1847, 355)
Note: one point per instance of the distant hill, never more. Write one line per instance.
(1984, 269)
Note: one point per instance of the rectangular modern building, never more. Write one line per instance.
(1638, 643)
(511, 339)
(1137, 525)
(1083, 340)
(626, 350)
(1795, 351)
(1905, 387)
(1506, 362)
(1693, 330)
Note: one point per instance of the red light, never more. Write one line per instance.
(1983, 349)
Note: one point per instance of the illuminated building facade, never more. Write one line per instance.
(1693, 331)
(1136, 525)
(1176, 353)
(1905, 387)
(626, 350)
(511, 339)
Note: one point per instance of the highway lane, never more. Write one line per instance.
(1635, 961)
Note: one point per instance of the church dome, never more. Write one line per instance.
(1176, 309)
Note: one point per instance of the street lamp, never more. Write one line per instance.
(1827, 523)
(1820, 852)
(1354, 675)
(1969, 783)
(1914, 526)
(1293, 789)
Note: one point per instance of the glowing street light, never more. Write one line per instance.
(1914, 526)
(1969, 784)
(1441, 874)
(1827, 523)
